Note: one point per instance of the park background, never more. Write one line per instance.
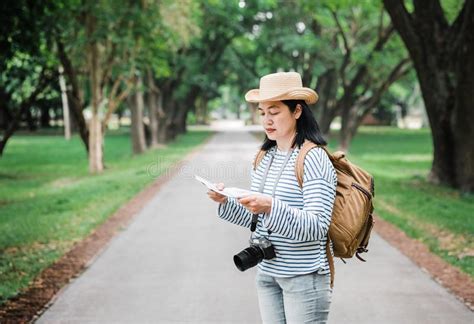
(94, 93)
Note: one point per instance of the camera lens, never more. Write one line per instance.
(248, 258)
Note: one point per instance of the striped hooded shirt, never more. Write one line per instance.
(299, 218)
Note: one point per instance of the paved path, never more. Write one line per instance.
(173, 264)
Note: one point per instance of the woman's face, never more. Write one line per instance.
(277, 120)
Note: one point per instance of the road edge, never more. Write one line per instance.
(451, 278)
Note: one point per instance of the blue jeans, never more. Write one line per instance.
(300, 299)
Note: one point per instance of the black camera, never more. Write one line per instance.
(260, 248)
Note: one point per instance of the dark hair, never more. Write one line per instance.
(307, 127)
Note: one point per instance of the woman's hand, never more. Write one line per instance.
(217, 197)
(257, 204)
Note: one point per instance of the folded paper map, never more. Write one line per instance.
(229, 192)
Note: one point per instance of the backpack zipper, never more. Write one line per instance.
(365, 191)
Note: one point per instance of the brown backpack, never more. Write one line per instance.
(352, 219)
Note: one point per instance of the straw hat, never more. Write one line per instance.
(281, 86)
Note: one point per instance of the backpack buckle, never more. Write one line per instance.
(361, 250)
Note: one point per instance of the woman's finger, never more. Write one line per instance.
(245, 200)
(216, 196)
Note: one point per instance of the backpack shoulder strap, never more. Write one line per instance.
(299, 170)
(258, 158)
(299, 165)
(305, 148)
(330, 260)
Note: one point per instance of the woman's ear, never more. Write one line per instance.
(298, 111)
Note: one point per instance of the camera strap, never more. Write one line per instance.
(264, 179)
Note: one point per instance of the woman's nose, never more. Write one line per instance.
(267, 120)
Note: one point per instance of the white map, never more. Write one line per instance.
(229, 192)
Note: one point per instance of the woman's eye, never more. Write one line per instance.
(270, 113)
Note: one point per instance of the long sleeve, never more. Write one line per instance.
(235, 213)
(319, 191)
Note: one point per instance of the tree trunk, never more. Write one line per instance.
(45, 117)
(443, 57)
(74, 96)
(65, 104)
(96, 158)
(180, 112)
(463, 115)
(440, 105)
(30, 121)
(96, 164)
(5, 116)
(354, 112)
(13, 125)
(178, 122)
(348, 125)
(165, 133)
(325, 110)
(161, 120)
(75, 124)
(78, 118)
(326, 120)
(119, 118)
(185, 107)
(3, 119)
(253, 113)
(152, 110)
(137, 130)
(238, 112)
(167, 111)
(182, 121)
(201, 110)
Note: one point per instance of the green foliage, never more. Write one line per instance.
(133, 37)
(199, 68)
(304, 36)
(21, 75)
(451, 9)
(49, 201)
(182, 20)
(25, 53)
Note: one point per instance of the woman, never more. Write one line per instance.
(294, 286)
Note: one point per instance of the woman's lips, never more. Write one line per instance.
(270, 130)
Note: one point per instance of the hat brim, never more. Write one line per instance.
(308, 95)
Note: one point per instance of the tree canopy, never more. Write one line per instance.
(162, 60)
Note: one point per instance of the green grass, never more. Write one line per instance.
(438, 216)
(49, 201)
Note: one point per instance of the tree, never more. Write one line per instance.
(112, 37)
(344, 49)
(162, 62)
(443, 57)
(365, 62)
(17, 103)
(74, 90)
(27, 66)
(197, 69)
(137, 106)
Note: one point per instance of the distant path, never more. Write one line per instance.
(173, 264)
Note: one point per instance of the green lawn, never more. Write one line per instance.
(49, 201)
(438, 216)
